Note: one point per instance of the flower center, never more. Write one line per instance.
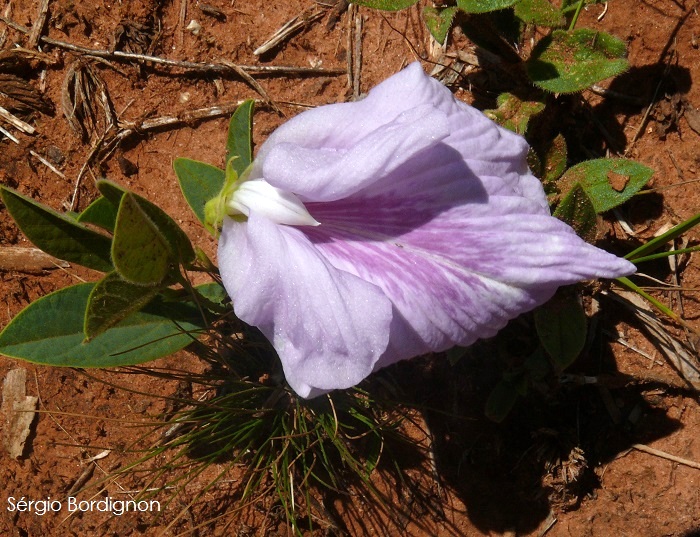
(242, 196)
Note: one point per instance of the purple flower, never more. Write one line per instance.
(370, 232)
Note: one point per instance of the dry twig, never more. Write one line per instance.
(253, 70)
(38, 25)
(667, 456)
(291, 27)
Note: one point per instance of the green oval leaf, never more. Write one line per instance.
(608, 182)
(513, 113)
(561, 327)
(140, 251)
(50, 331)
(483, 6)
(386, 5)
(439, 21)
(113, 299)
(567, 61)
(57, 234)
(101, 212)
(239, 143)
(176, 238)
(199, 183)
(555, 158)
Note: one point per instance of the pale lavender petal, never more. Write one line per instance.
(329, 327)
(330, 173)
(459, 270)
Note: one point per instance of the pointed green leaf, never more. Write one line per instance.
(513, 113)
(576, 209)
(555, 158)
(112, 300)
(439, 21)
(100, 212)
(561, 327)
(50, 331)
(140, 251)
(240, 137)
(567, 61)
(111, 191)
(608, 182)
(57, 234)
(199, 182)
(484, 6)
(176, 238)
(539, 12)
(386, 5)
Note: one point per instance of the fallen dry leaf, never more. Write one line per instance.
(18, 411)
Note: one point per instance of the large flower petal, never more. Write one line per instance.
(329, 327)
(459, 269)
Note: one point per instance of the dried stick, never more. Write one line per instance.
(9, 135)
(47, 164)
(664, 455)
(289, 28)
(253, 70)
(38, 25)
(357, 56)
(16, 122)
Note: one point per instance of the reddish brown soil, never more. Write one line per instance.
(507, 479)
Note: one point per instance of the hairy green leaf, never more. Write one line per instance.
(57, 234)
(576, 209)
(112, 300)
(439, 21)
(141, 253)
(484, 6)
(199, 182)
(101, 212)
(608, 182)
(513, 113)
(554, 161)
(50, 331)
(567, 61)
(176, 238)
(240, 137)
(539, 12)
(501, 401)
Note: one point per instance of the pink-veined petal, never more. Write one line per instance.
(461, 269)
(329, 327)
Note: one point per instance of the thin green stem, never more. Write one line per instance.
(657, 242)
(666, 254)
(575, 17)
